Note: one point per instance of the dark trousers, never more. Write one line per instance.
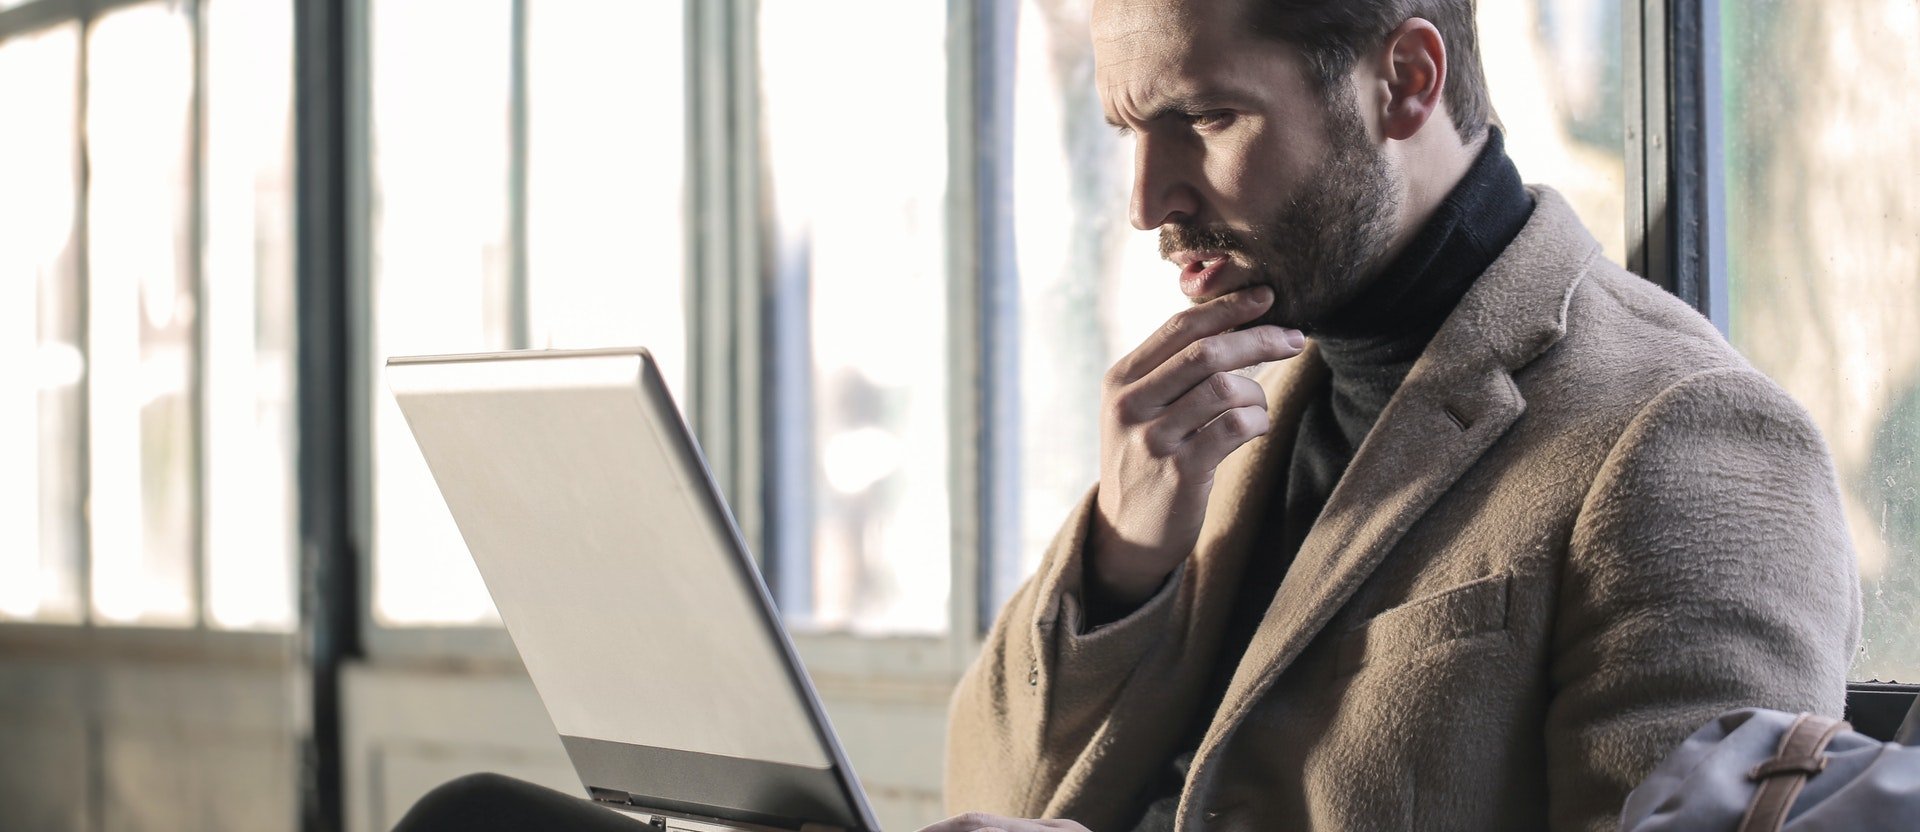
(497, 803)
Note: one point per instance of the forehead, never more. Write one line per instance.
(1148, 50)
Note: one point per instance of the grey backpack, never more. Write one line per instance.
(1766, 771)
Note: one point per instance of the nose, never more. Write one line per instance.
(1162, 193)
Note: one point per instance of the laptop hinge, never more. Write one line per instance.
(627, 800)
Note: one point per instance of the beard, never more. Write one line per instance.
(1318, 250)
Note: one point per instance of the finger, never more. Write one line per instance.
(1211, 318)
(1207, 356)
(970, 822)
(1216, 394)
(1222, 436)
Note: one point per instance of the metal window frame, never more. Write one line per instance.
(1676, 173)
(330, 596)
(41, 14)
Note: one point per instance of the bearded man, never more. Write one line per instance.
(1510, 526)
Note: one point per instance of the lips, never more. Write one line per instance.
(1200, 272)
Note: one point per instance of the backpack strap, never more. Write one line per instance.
(1781, 778)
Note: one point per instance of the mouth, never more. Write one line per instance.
(1200, 272)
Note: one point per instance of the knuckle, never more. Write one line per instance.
(1178, 326)
(1222, 386)
(1270, 341)
(1192, 468)
(1204, 352)
(1153, 446)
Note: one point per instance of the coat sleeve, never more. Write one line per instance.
(1033, 703)
(1709, 569)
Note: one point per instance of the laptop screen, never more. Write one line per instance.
(618, 573)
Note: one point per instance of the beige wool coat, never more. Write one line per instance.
(1582, 527)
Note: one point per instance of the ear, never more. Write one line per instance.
(1414, 70)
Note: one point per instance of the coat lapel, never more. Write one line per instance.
(1457, 401)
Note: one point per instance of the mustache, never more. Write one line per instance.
(1199, 238)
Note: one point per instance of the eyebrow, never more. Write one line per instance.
(1173, 106)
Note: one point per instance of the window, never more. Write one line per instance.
(140, 332)
(1823, 244)
(440, 268)
(42, 418)
(149, 422)
(526, 192)
(858, 414)
(247, 291)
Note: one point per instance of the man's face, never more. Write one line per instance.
(1250, 174)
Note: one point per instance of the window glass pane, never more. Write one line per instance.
(860, 311)
(42, 368)
(141, 316)
(1554, 71)
(1091, 287)
(606, 150)
(247, 266)
(1823, 214)
(439, 271)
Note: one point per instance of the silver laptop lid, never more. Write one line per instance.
(621, 578)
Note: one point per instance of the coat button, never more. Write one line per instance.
(1033, 676)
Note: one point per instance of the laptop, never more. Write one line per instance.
(624, 583)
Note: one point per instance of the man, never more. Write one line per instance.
(1512, 526)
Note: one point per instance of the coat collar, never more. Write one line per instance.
(1457, 401)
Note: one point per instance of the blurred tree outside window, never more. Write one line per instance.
(1824, 248)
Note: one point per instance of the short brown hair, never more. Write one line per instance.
(1332, 34)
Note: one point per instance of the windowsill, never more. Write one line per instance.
(83, 642)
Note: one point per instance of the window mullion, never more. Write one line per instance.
(1650, 226)
(197, 277)
(519, 312)
(966, 278)
(746, 430)
(83, 277)
(332, 458)
(997, 325)
(1696, 195)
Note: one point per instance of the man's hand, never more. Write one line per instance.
(1172, 410)
(980, 822)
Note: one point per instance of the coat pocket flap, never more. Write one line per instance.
(1478, 606)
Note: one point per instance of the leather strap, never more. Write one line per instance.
(1799, 757)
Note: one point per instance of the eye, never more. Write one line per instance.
(1210, 120)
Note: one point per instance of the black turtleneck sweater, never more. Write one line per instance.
(1369, 347)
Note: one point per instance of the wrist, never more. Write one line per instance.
(1113, 570)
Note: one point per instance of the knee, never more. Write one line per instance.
(451, 803)
(471, 788)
